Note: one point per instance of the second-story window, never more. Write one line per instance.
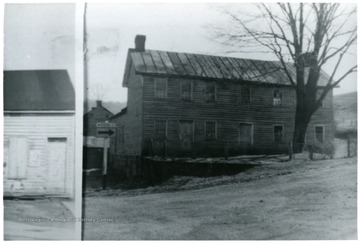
(186, 90)
(277, 101)
(210, 92)
(245, 95)
(161, 88)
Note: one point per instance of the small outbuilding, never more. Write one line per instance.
(39, 122)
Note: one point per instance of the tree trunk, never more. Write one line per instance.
(302, 120)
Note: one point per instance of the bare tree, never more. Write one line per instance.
(305, 35)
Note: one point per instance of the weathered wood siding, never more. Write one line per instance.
(228, 112)
(37, 128)
(129, 137)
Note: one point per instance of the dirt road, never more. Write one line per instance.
(306, 200)
(41, 219)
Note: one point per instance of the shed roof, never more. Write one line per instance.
(38, 90)
(163, 63)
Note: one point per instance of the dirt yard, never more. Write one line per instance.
(298, 200)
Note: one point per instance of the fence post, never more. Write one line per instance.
(290, 151)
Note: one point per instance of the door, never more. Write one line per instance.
(56, 161)
(186, 136)
(245, 137)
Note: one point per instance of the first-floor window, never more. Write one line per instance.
(319, 133)
(278, 133)
(210, 130)
(160, 130)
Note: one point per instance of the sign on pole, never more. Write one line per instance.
(105, 125)
(106, 132)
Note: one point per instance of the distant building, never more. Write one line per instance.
(39, 122)
(96, 115)
(93, 146)
(182, 104)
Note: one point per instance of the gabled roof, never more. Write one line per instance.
(123, 111)
(189, 65)
(38, 90)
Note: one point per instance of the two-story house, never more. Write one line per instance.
(182, 104)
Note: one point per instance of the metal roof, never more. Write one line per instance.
(154, 62)
(38, 90)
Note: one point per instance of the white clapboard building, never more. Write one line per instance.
(39, 119)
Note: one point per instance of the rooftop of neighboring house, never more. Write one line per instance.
(38, 90)
(99, 109)
(123, 111)
(190, 65)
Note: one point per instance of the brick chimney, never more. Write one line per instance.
(140, 43)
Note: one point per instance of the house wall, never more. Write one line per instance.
(227, 112)
(37, 128)
(129, 137)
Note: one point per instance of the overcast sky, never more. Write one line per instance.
(41, 36)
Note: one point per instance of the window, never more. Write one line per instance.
(160, 130)
(277, 98)
(278, 133)
(210, 91)
(210, 131)
(17, 156)
(186, 90)
(319, 133)
(161, 88)
(245, 95)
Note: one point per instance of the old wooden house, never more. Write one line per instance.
(39, 121)
(182, 104)
(93, 145)
(95, 115)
